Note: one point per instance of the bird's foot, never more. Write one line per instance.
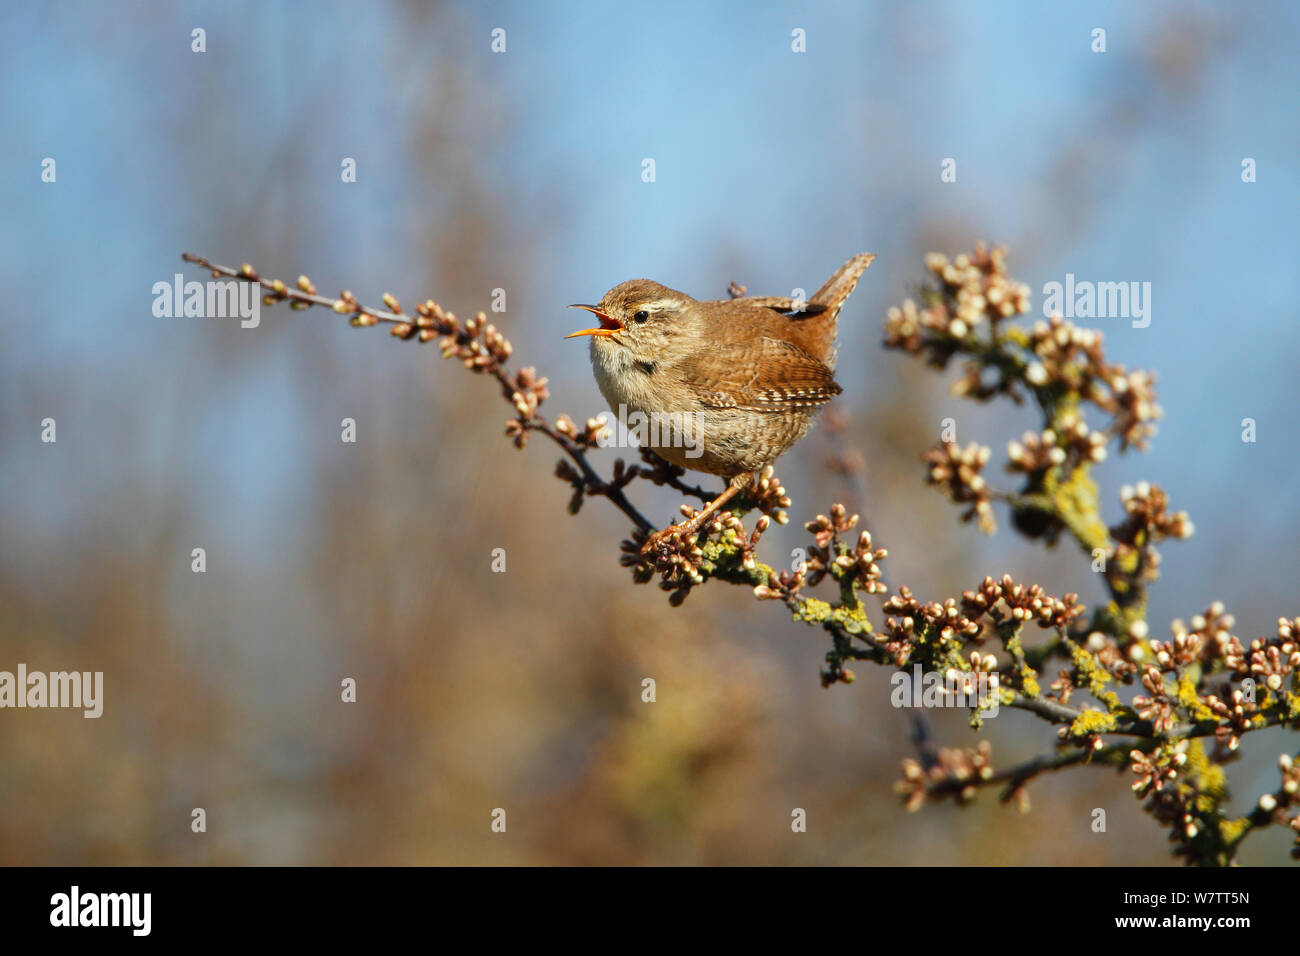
(671, 538)
(668, 539)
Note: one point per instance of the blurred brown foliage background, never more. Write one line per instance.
(328, 560)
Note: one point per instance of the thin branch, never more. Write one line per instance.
(594, 484)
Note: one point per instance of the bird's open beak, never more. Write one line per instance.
(608, 326)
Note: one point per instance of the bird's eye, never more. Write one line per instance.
(641, 316)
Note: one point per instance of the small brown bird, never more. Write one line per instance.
(726, 386)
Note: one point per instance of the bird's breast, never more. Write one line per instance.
(646, 386)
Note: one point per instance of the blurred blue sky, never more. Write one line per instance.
(772, 168)
(522, 170)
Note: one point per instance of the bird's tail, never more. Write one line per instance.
(842, 283)
(813, 321)
(826, 303)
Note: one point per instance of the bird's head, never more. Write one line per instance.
(643, 317)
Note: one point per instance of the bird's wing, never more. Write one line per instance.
(762, 375)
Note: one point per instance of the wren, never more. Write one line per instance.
(737, 382)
